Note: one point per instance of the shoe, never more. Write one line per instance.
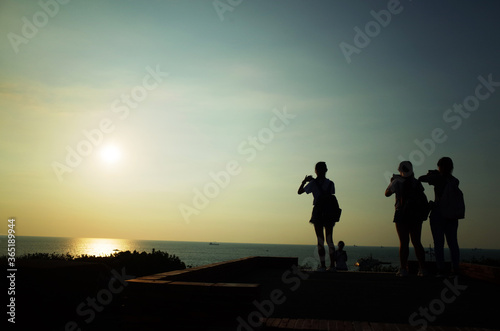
(440, 274)
(321, 269)
(331, 269)
(422, 273)
(402, 273)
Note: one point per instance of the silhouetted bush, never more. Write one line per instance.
(136, 264)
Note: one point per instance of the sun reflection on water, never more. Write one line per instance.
(101, 246)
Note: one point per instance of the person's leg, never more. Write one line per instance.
(437, 229)
(451, 233)
(331, 246)
(404, 242)
(415, 235)
(318, 228)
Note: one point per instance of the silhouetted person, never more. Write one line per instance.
(442, 227)
(321, 186)
(341, 257)
(408, 225)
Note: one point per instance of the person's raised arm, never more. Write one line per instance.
(390, 190)
(430, 177)
(301, 187)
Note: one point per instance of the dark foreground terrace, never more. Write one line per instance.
(258, 293)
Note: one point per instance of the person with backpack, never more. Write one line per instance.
(323, 191)
(411, 210)
(448, 207)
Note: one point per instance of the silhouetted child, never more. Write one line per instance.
(341, 257)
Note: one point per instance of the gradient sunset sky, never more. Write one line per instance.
(197, 120)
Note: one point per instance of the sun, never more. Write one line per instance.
(110, 154)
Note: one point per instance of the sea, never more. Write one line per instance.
(201, 253)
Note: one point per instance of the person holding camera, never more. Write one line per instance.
(408, 221)
(321, 187)
(441, 226)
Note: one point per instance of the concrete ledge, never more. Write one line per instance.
(225, 271)
(219, 290)
(482, 272)
(237, 295)
(476, 271)
(290, 324)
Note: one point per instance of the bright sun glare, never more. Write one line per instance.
(110, 154)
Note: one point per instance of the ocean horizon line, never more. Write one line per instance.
(227, 242)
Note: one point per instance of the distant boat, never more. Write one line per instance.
(214, 243)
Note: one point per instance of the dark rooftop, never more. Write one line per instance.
(266, 293)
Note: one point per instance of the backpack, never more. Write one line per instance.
(414, 203)
(451, 203)
(326, 208)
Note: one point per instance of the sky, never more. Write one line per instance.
(197, 120)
